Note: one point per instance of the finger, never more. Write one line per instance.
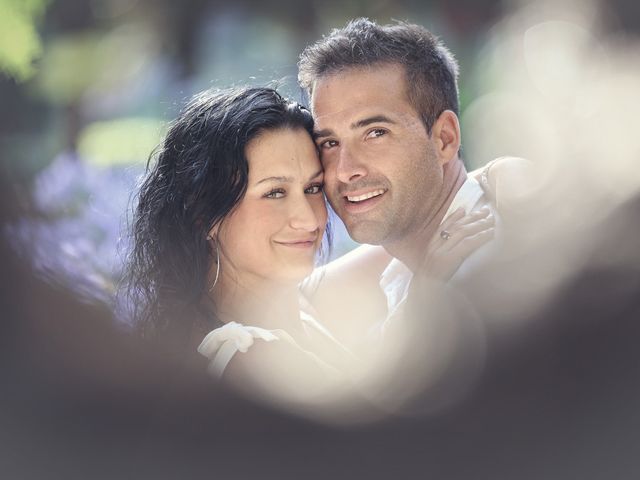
(457, 218)
(453, 218)
(443, 261)
(457, 233)
(458, 226)
(456, 256)
(443, 231)
(470, 244)
(476, 226)
(479, 214)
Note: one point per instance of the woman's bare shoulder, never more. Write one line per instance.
(364, 260)
(346, 293)
(360, 269)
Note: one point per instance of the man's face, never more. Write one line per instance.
(382, 174)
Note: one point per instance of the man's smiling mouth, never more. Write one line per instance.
(364, 196)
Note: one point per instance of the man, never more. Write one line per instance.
(385, 102)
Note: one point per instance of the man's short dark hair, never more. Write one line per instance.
(430, 68)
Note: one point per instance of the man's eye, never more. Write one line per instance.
(313, 189)
(378, 132)
(276, 193)
(328, 144)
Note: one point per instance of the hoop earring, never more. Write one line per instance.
(215, 281)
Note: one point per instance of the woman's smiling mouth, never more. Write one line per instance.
(302, 243)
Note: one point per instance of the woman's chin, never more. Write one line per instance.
(294, 274)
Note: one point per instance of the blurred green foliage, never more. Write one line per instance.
(92, 62)
(20, 43)
(68, 67)
(120, 142)
(98, 78)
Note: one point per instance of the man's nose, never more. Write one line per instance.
(350, 166)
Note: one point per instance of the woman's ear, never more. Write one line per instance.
(213, 232)
(445, 134)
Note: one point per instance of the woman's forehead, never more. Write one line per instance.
(283, 153)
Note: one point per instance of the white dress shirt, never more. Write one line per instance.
(396, 278)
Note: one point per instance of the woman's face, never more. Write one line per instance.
(276, 229)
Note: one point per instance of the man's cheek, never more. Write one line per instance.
(333, 197)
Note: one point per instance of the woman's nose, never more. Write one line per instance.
(303, 216)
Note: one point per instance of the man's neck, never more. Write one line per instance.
(410, 249)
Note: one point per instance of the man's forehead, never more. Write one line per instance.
(357, 114)
(363, 72)
(332, 100)
(357, 91)
(347, 113)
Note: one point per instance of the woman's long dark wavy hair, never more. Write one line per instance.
(193, 181)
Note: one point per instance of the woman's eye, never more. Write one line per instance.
(378, 132)
(276, 193)
(313, 189)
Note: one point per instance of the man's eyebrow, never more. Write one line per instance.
(317, 174)
(322, 133)
(327, 132)
(369, 120)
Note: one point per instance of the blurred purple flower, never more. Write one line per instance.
(80, 235)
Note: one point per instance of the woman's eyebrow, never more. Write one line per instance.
(281, 179)
(285, 179)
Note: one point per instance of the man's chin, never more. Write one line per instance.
(367, 232)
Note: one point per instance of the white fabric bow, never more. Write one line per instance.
(221, 344)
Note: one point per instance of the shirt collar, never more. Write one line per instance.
(467, 197)
(395, 279)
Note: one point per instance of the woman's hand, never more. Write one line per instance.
(507, 180)
(458, 237)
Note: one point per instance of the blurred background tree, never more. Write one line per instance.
(88, 86)
(99, 78)
(20, 43)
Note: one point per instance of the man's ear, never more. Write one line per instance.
(445, 134)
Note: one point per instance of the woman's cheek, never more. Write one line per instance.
(320, 209)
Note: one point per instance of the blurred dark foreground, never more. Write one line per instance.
(82, 399)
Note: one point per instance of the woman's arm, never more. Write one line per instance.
(505, 180)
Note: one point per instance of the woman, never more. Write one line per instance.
(231, 218)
